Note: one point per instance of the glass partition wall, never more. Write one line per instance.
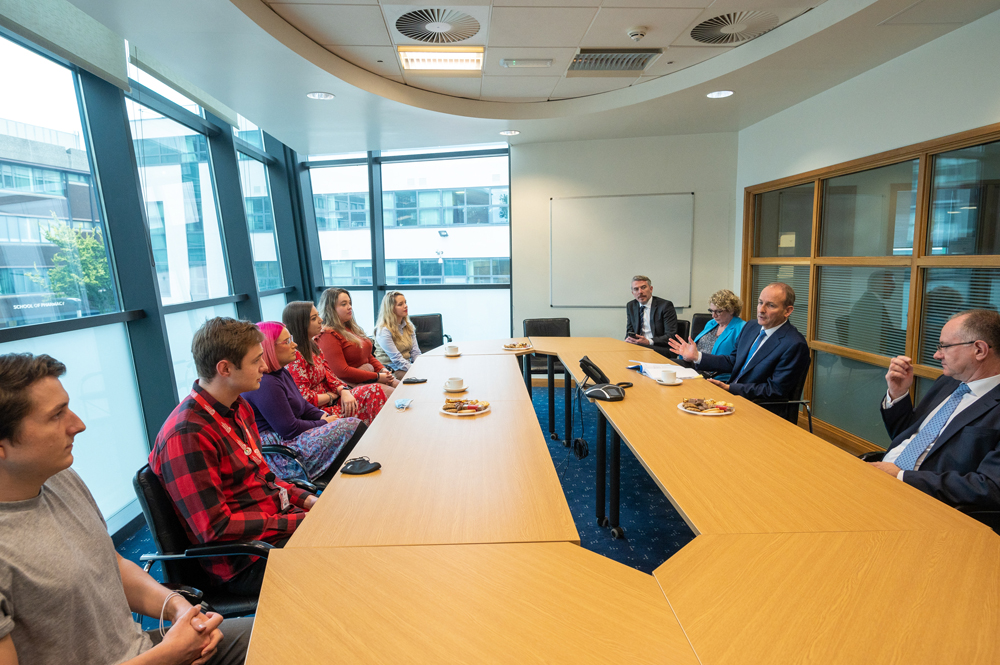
(881, 252)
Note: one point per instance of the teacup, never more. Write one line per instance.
(454, 383)
(451, 349)
(668, 376)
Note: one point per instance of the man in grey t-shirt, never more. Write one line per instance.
(66, 596)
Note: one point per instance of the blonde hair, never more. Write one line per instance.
(387, 319)
(727, 300)
(350, 331)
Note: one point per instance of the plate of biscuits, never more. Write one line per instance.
(517, 346)
(706, 407)
(464, 407)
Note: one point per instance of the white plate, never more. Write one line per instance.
(676, 382)
(525, 348)
(452, 355)
(459, 390)
(459, 415)
(699, 413)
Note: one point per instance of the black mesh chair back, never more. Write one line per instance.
(789, 409)
(683, 328)
(170, 538)
(430, 331)
(545, 328)
(698, 323)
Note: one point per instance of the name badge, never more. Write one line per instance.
(285, 503)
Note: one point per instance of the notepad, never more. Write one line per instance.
(652, 370)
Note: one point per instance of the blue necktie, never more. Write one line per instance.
(753, 349)
(926, 437)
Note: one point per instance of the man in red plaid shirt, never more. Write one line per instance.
(208, 458)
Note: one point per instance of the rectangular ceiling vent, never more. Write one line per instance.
(612, 62)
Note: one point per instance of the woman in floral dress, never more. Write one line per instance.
(313, 377)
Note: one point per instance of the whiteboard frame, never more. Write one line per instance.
(552, 305)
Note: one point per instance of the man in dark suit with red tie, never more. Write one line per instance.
(949, 445)
(771, 358)
(650, 321)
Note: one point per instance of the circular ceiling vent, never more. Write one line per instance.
(734, 28)
(437, 26)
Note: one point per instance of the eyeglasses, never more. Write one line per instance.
(287, 342)
(713, 312)
(942, 347)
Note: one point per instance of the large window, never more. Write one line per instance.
(892, 263)
(340, 199)
(260, 220)
(54, 254)
(175, 171)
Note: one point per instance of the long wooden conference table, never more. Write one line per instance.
(462, 549)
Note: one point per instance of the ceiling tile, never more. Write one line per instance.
(392, 13)
(663, 4)
(546, 3)
(663, 26)
(456, 87)
(275, 3)
(510, 87)
(677, 58)
(368, 57)
(344, 25)
(588, 85)
(560, 57)
(539, 26)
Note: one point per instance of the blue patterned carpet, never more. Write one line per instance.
(653, 529)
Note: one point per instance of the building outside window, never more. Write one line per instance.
(53, 245)
(260, 221)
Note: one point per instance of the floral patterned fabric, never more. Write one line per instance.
(316, 379)
(318, 447)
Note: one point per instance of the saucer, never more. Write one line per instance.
(464, 387)
(452, 355)
(676, 382)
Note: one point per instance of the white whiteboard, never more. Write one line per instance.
(597, 243)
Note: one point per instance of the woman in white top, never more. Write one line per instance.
(395, 336)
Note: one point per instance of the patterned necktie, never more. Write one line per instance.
(926, 437)
(753, 349)
(642, 322)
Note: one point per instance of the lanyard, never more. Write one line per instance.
(249, 449)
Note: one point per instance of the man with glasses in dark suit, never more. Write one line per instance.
(651, 321)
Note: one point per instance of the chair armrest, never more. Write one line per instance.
(447, 336)
(284, 451)
(251, 548)
(784, 401)
(189, 593)
(305, 485)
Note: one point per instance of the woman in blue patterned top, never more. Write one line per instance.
(719, 335)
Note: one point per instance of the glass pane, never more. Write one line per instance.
(340, 198)
(260, 220)
(784, 222)
(863, 308)
(951, 290)
(467, 314)
(965, 201)
(100, 380)
(54, 259)
(163, 89)
(846, 394)
(468, 186)
(271, 307)
(921, 385)
(249, 132)
(181, 328)
(364, 312)
(796, 277)
(176, 176)
(870, 213)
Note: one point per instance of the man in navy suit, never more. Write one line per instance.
(650, 321)
(771, 358)
(949, 445)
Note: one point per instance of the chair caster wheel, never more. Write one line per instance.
(565, 443)
(604, 521)
(553, 436)
(617, 532)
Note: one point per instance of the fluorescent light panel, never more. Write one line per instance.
(441, 58)
(524, 62)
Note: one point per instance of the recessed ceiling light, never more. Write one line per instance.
(968, 207)
(509, 132)
(719, 94)
(320, 95)
(441, 58)
(525, 62)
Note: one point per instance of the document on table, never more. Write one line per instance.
(652, 370)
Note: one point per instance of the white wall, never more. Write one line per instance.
(949, 85)
(704, 164)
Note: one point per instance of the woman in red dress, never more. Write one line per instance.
(347, 349)
(313, 377)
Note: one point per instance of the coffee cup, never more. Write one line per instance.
(668, 376)
(451, 349)
(454, 383)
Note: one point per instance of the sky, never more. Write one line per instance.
(36, 90)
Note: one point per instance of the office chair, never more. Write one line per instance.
(698, 323)
(791, 410)
(430, 331)
(177, 554)
(539, 364)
